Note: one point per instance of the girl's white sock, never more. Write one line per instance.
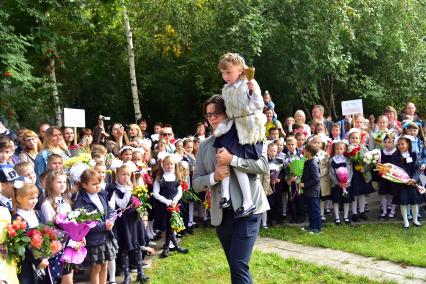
(404, 213)
(111, 270)
(354, 205)
(361, 201)
(285, 201)
(264, 219)
(243, 180)
(225, 187)
(345, 210)
(191, 213)
(336, 210)
(416, 214)
(384, 203)
(322, 204)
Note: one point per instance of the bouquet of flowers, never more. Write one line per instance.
(296, 170)
(141, 199)
(371, 157)
(14, 241)
(187, 194)
(343, 177)
(176, 221)
(46, 241)
(83, 158)
(77, 224)
(392, 173)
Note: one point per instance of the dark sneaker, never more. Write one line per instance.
(241, 213)
(363, 216)
(355, 218)
(224, 203)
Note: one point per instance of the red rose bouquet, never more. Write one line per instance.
(46, 241)
(188, 195)
(15, 241)
(176, 221)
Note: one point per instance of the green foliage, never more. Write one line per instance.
(305, 52)
(206, 262)
(381, 241)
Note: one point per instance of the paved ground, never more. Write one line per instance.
(347, 262)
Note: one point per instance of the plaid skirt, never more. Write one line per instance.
(100, 254)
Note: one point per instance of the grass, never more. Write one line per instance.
(206, 263)
(380, 241)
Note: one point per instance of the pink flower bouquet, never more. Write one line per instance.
(343, 177)
(77, 224)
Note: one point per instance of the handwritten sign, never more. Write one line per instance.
(352, 107)
(74, 117)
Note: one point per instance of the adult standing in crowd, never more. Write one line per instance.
(237, 236)
(117, 138)
(300, 118)
(42, 128)
(31, 146)
(318, 115)
(410, 109)
(143, 125)
(53, 143)
(269, 113)
(167, 134)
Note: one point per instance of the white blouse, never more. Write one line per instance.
(48, 212)
(29, 216)
(156, 190)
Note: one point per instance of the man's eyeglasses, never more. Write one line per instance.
(210, 114)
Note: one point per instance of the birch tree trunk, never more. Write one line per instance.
(134, 86)
(52, 73)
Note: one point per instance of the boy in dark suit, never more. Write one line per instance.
(311, 188)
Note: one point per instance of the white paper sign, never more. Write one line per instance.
(74, 117)
(352, 107)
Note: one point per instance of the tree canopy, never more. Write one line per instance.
(305, 52)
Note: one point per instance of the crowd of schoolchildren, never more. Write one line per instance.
(166, 165)
(328, 144)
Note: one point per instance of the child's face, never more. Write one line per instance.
(290, 121)
(179, 146)
(402, 146)
(93, 186)
(5, 155)
(30, 174)
(55, 164)
(101, 170)
(382, 123)
(354, 138)
(291, 146)
(157, 129)
(412, 131)
(189, 148)
(306, 154)
(274, 134)
(266, 98)
(320, 129)
(300, 141)
(335, 131)
(137, 158)
(231, 73)
(388, 143)
(359, 122)
(280, 146)
(123, 177)
(340, 149)
(99, 159)
(126, 156)
(27, 202)
(59, 184)
(168, 166)
(272, 151)
(316, 142)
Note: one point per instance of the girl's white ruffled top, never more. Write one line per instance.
(246, 110)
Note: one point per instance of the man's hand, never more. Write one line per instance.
(223, 157)
(221, 172)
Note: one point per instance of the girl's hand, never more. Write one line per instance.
(77, 246)
(173, 204)
(44, 263)
(293, 179)
(302, 185)
(250, 85)
(109, 225)
(277, 180)
(150, 251)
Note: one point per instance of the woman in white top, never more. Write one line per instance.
(300, 118)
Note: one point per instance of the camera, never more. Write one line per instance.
(101, 117)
